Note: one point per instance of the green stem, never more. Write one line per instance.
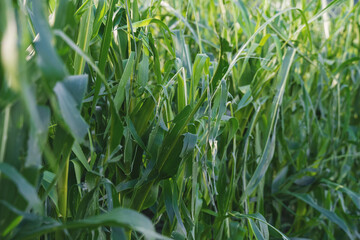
(62, 186)
(62, 189)
(5, 133)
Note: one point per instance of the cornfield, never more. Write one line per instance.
(179, 119)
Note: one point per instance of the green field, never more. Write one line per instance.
(179, 119)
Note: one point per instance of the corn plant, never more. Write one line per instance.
(208, 119)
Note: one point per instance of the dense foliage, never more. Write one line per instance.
(183, 119)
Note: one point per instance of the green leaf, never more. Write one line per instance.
(189, 144)
(355, 197)
(146, 22)
(181, 92)
(118, 217)
(268, 152)
(182, 52)
(222, 65)
(49, 62)
(37, 139)
(201, 63)
(120, 93)
(26, 190)
(80, 155)
(99, 16)
(260, 218)
(76, 86)
(246, 99)
(48, 178)
(84, 36)
(332, 216)
(68, 93)
(168, 162)
(105, 45)
(256, 230)
(143, 75)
